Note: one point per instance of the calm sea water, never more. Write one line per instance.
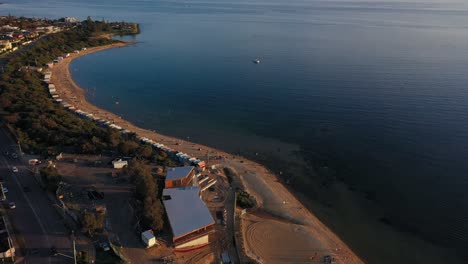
(376, 91)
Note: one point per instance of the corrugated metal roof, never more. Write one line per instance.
(148, 234)
(186, 211)
(178, 172)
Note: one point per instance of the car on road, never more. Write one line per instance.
(14, 155)
(15, 169)
(12, 205)
(5, 190)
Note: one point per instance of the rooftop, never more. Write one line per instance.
(186, 211)
(178, 172)
(148, 234)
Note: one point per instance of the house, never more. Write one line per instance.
(179, 177)
(5, 45)
(70, 19)
(119, 164)
(190, 220)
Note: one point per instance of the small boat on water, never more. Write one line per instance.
(256, 61)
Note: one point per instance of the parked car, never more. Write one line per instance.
(34, 162)
(12, 205)
(15, 169)
(5, 190)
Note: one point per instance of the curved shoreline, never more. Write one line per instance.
(268, 190)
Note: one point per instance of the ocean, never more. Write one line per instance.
(362, 105)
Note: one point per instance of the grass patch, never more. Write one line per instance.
(245, 200)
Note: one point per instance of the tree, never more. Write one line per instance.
(145, 151)
(90, 222)
(51, 177)
(128, 147)
(88, 147)
(153, 213)
(113, 138)
(147, 191)
(146, 187)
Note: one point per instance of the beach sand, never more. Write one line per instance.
(303, 239)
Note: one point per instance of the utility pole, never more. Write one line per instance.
(3, 193)
(19, 146)
(10, 245)
(74, 248)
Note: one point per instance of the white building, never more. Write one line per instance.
(148, 238)
(119, 164)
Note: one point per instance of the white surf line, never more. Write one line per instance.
(32, 208)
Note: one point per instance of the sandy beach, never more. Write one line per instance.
(289, 233)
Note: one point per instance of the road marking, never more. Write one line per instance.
(32, 209)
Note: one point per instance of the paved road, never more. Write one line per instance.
(37, 225)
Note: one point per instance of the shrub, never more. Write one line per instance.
(245, 200)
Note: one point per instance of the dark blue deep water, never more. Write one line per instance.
(374, 91)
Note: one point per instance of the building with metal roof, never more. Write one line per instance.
(190, 219)
(179, 176)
